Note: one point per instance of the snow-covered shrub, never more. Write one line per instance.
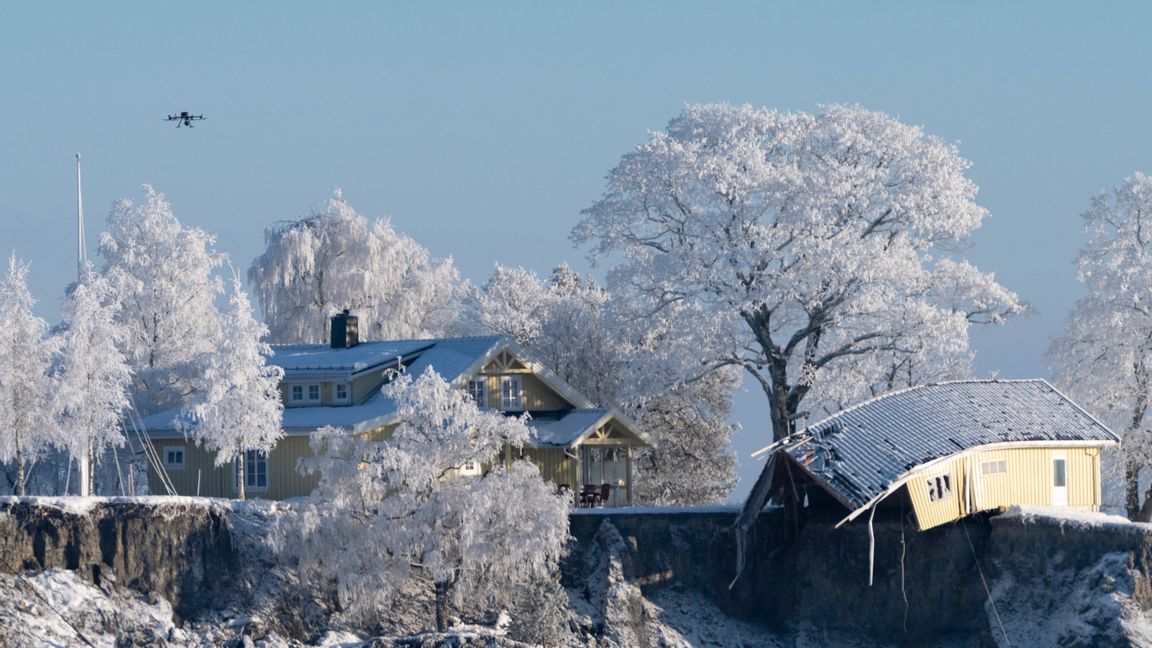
(387, 512)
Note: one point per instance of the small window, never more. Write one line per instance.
(173, 457)
(939, 488)
(341, 393)
(996, 467)
(1059, 475)
(478, 389)
(511, 394)
(470, 468)
(304, 394)
(255, 471)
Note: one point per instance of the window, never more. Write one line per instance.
(470, 468)
(341, 393)
(1059, 473)
(996, 467)
(478, 389)
(939, 488)
(511, 394)
(255, 471)
(304, 394)
(173, 457)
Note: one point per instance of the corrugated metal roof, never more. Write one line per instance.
(858, 452)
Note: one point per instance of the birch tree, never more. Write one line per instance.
(805, 246)
(387, 512)
(238, 410)
(26, 422)
(334, 259)
(91, 378)
(1104, 357)
(163, 275)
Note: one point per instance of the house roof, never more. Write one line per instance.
(569, 428)
(455, 359)
(862, 453)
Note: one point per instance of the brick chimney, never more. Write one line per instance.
(345, 331)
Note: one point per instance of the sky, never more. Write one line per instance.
(483, 129)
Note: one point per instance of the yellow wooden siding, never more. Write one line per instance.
(366, 385)
(283, 479)
(535, 394)
(1027, 480)
(554, 465)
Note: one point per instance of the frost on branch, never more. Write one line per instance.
(1104, 357)
(809, 250)
(333, 259)
(237, 408)
(392, 511)
(163, 276)
(91, 376)
(25, 391)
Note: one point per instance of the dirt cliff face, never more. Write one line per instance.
(1050, 580)
(180, 551)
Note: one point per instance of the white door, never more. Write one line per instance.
(1059, 479)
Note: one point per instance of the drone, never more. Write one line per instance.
(184, 118)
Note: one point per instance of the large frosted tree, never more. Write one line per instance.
(333, 259)
(163, 275)
(238, 409)
(805, 248)
(396, 511)
(1104, 357)
(26, 422)
(91, 378)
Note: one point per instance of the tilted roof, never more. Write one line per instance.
(857, 454)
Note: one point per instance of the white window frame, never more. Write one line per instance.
(336, 398)
(994, 467)
(249, 475)
(512, 401)
(481, 395)
(305, 393)
(1059, 492)
(183, 450)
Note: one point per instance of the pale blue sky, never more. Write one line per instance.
(482, 129)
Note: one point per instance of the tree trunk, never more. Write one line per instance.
(1132, 488)
(90, 457)
(441, 606)
(19, 471)
(240, 475)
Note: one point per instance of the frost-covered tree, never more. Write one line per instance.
(91, 377)
(238, 409)
(163, 275)
(573, 326)
(26, 422)
(804, 246)
(390, 511)
(333, 259)
(1104, 357)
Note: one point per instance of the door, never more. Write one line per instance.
(1059, 479)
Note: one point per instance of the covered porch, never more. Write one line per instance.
(587, 453)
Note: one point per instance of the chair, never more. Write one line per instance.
(589, 495)
(605, 493)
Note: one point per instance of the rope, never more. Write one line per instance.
(987, 591)
(149, 451)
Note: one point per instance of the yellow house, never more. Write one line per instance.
(576, 445)
(943, 451)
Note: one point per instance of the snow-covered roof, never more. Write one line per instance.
(455, 359)
(307, 360)
(858, 453)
